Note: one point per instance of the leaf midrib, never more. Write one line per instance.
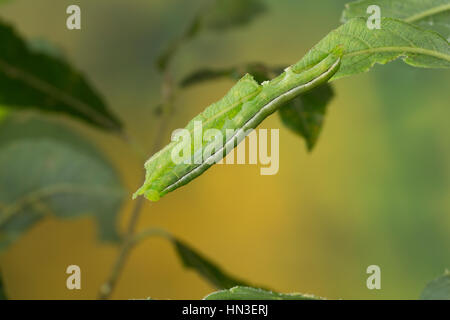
(60, 95)
(400, 49)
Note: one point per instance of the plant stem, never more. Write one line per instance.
(108, 287)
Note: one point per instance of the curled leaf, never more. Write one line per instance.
(243, 108)
(304, 114)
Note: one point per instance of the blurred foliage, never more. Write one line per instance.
(416, 141)
(48, 170)
(35, 149)
(438, 289)
(305, 115)
(248, 293)
(2, 289)
(37, 80)
(218, 15)
(45, 47)
(192, 259)
(226, 14)
(3, 112)
(207, 269)
(428, 14)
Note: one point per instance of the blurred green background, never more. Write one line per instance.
(376, 190)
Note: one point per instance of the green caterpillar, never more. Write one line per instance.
(242, 109)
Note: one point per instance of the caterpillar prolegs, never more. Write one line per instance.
(242, 109)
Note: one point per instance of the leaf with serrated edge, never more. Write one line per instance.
(429, 14)
(364, 47)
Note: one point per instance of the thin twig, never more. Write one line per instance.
(108, 287)
(168, 95)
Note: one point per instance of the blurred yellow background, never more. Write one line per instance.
(376, 190)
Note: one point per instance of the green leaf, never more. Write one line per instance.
(220, 15)
(225, 14)
(305, 114)
(3, 112)
(43, 46)
(37, 80)
(191, 259)
(247, 293)
(46, 169)
(364, 47)
(240, 111)
(438, 289)
(352, 48)
(2, 289)
(429, 14)
(204, 267)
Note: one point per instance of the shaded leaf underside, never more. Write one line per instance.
(47, 170)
